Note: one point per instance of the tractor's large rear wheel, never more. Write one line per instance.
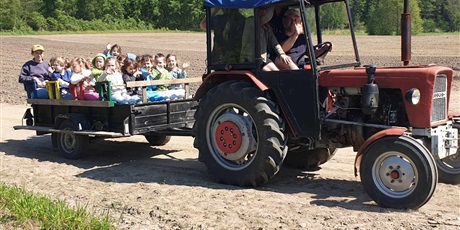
(238, 134)
(398, 172)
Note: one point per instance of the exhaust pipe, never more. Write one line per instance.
(406, 19)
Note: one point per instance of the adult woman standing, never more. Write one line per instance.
(35, 72)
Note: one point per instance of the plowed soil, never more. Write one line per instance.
(143, 187)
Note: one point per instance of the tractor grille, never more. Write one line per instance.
(439, 110)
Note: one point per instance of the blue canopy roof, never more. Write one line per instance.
(239, 3)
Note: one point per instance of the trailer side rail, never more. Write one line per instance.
(84, 132)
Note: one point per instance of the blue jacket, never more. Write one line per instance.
(65, 77)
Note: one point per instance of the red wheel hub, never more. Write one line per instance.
(228, 137)
(394, 174)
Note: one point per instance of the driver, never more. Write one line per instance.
(292, 37)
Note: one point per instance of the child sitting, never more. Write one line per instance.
(147, 65)
(131, 72)
(112, 75)
(175, 71)
(81, 75)
(156, 93)
(98, 65)
(62, 75)
(120, 59)
(159, 72)
(115, 51)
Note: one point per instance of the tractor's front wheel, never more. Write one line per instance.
(238, 134)
(398, 172)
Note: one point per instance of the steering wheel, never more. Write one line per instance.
(321, 50)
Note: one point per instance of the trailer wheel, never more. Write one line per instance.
(398, 172)
(71, 146)
(157, 140)
(308, 159)
(238, 134)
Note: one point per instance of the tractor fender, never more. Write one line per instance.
(80, 119)
(370, 140)
(216, 78)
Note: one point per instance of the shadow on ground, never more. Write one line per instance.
(109, 162)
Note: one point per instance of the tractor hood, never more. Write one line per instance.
(423, 78)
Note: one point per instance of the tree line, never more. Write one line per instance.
(372, 16)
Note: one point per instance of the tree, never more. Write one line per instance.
(453, 15)
(384, 17)
(10, 14)
(333, 16)
(49, 7)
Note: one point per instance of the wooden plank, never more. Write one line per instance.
(187, 91)
(144, 94)
(162, 82)
(69, 102)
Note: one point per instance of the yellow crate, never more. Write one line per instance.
(53, 89)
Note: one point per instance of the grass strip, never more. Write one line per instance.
(22, 207)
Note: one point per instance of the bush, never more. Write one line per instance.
(429, 26)
(37, 21)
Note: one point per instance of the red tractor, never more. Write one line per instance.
(249, 122)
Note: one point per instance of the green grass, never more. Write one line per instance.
(20, 208)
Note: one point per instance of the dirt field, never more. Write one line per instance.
(145, 187)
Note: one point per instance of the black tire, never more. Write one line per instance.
(243, 117)
(398, 172)
(449, 167)
(71, 146)
(54, 139)
(157, 140)
(308, 159)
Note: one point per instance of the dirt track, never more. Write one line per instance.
(150, 188)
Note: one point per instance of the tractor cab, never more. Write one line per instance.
(234, 33)
(235, 50)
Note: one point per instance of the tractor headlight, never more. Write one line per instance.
(413, 96)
